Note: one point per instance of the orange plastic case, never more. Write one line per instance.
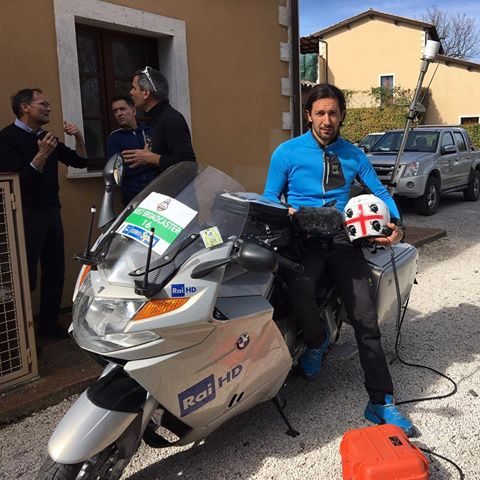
(382, 452)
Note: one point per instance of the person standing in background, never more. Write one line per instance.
(26, 148)
(130, 136)
(171, 139)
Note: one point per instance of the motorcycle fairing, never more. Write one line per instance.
(208, 383)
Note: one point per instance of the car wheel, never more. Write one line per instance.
(427, 204)
(472, 192)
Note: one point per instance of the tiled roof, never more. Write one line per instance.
(458, 61)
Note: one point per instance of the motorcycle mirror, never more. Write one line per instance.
(205, 268)
(113, 174)
(255, 258)
(115, 168)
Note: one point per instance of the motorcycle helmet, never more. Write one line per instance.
(366, 216)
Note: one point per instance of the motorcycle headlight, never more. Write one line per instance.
(411, 170)
(98, 323)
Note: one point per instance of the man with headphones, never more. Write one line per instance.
(317, 169)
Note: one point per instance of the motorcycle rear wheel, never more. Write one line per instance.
(106, 465)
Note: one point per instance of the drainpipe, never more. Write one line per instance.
(295, 66)
(326, 57)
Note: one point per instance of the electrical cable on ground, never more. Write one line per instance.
(399, 323)
(429, 452)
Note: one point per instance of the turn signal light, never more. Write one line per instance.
(83, 274)
(158, 307)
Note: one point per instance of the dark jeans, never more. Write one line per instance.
(348, 269)
(44, 243)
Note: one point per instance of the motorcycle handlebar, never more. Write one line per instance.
(289, 264)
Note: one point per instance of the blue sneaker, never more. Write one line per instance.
(311, 360)
(388, 413)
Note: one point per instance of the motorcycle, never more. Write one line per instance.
(181, 299)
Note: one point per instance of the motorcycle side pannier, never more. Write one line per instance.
(266, 220)
(382, 268)
(382, 452)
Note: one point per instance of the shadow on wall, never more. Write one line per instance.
(432, 115)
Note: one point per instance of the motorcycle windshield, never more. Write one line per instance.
(181, 212)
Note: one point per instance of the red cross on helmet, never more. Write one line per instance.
(365, 217)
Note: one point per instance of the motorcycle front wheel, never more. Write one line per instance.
(106, 465)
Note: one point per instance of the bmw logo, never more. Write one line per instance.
(243, 341)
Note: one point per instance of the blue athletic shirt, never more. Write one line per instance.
(309, 174)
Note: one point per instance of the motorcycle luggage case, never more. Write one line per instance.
(382, 452)
(406, 262)
(266, 220)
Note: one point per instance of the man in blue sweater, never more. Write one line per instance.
(316, 169)
(130, 136)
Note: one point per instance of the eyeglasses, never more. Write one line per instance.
(42, 104)
(149, 78)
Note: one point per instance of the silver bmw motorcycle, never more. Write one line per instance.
(182, 300)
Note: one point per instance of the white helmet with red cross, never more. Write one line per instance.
(365, 217)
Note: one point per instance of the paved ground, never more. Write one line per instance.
(441, 329)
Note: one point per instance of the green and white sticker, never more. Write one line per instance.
(166, 215)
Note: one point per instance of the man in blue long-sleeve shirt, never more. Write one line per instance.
(314, 170)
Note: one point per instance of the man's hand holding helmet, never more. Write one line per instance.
(368, 218)
(395, 237)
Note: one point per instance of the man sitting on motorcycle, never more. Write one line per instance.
(313, 170)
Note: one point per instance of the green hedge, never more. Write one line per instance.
(360, 121)
(390, 112)
(474, 132)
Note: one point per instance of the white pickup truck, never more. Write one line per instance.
(436, 159)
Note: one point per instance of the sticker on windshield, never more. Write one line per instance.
(166, 215)
(211, 237)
